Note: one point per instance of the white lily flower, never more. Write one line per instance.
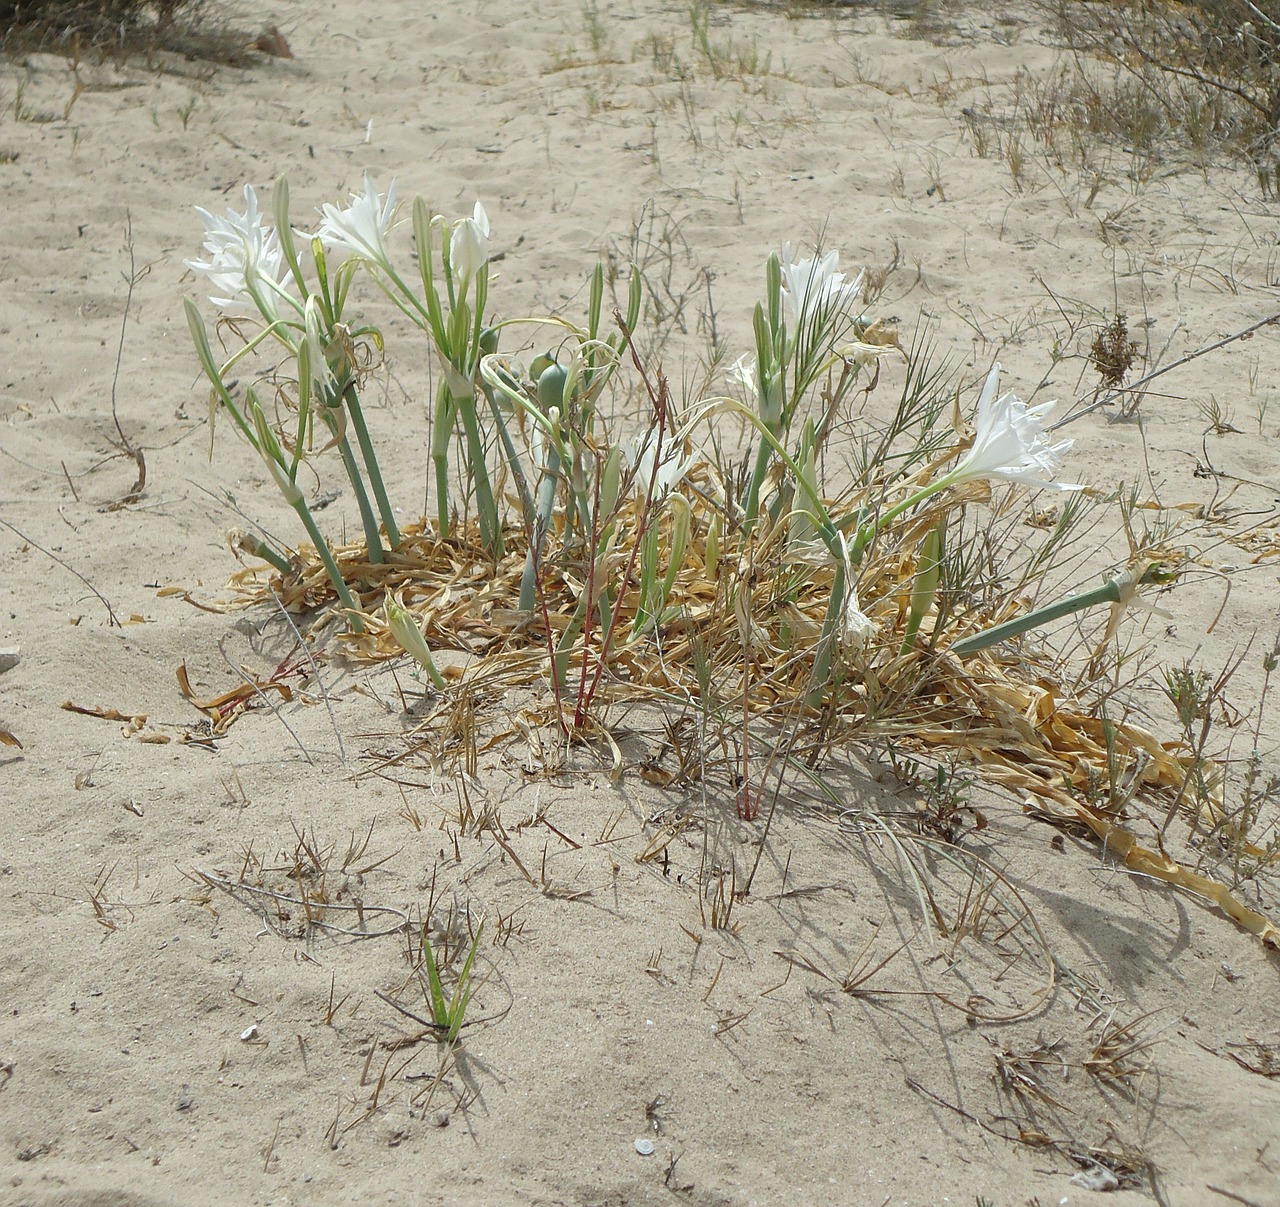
(814, 289)
(361, 228)
(639, 454)
(245, 263)
(469, 246)
(1010, 442)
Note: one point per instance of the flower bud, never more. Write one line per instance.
(404, 628)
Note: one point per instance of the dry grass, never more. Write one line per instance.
(191, 28)
(1204, 75)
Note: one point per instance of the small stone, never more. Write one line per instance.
(10, 656)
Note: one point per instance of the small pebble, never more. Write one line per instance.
(644, 1146)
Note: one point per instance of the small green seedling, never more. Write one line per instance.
(447, 1016)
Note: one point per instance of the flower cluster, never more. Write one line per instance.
(246, 263)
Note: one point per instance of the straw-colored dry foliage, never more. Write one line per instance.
(737, 645)
(793, 565)
(1206, 75)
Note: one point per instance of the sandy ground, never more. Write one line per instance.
(166, 1041)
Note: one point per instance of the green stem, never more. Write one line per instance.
(335, 575)
(825, 650)
(924, 587)
(867, 532)
(1108, 592)
(513, 459)
(352, 399)
(538, 535)
(372, 537)
(263, 550)
(441, 432)
(486, 506)
(753, 488)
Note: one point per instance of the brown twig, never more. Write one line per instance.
(126, 445)
(1111, 395)
(112, 619)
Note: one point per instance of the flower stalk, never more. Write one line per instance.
(1121, 592)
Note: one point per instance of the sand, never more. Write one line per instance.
(166, 1041)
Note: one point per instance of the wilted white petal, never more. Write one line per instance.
(322, 374)
(245, 262)
(1010, 441)
(857, 627)
(639, 455)
(361, 228)
(742, 375)
(469, 246)
(865, 354)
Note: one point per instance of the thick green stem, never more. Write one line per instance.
(1108, 592)
(372, 536)
(263, 550)
(335, 575)
(486, 505)
(370, 458)
(541, 522)
(441, 434)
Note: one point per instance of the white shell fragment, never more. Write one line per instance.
(250, 1032)
(1096, 1177)
(644, 1146)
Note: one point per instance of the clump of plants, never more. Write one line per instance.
(124, 26)
(1209, 72)
(839, 575)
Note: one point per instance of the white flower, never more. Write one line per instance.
(639, 454)
(245, 259)
(469, 246)
(361, 229)
(1010, 442)
(745, 375)
(814, 290)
